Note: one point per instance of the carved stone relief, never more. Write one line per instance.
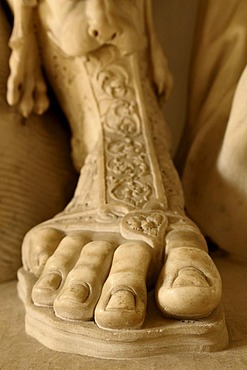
(125, 230)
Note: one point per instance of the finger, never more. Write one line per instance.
(41, 100)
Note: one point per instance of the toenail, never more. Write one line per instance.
(51, 281)
(122, 299)
(190, 276)
(78, 293)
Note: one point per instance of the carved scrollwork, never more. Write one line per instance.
(122, 118)
(132, 192)
(125, 146)
(127, 158)
(128, 172)
(120, 166)
(114, 81)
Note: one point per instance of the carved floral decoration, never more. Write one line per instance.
(147, 224)
(128, 174)
(132, 191)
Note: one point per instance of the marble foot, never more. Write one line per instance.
(94, 263)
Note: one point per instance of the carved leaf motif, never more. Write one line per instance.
(147, 224)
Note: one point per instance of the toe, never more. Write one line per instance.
(46, 288)
(38, 246)
(56, 269)
(123, 301)
(83, 285)
(189, 285)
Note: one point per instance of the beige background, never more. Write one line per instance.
(175, 22)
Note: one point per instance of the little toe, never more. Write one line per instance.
(123, 301)
(83, 286)
(56, 269)
(45, 290)
(189, 285)
(38, 246)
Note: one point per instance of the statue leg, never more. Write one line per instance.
(23, 179)
(96, 259)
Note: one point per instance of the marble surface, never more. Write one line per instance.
(19, 351)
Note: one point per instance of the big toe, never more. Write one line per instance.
(189, 285)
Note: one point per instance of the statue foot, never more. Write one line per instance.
(103, 277)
